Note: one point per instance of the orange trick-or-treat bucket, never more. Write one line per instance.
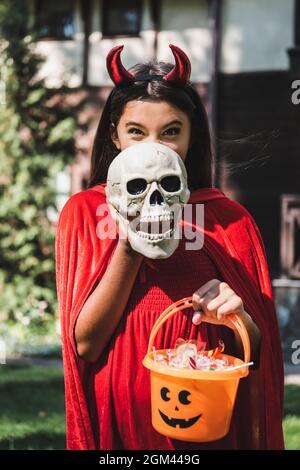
(206, 414)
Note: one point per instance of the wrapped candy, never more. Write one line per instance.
(192, 363)
(191, 354)
(171, 355)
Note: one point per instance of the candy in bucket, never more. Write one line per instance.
(191, 354)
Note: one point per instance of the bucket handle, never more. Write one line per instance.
(186, 302)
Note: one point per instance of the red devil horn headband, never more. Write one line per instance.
(179, 74)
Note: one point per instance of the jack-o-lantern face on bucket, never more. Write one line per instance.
(189, 409)
(179, 403)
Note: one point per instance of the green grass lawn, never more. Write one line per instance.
(32, 412)
(291, 423)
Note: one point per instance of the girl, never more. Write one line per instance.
(110, 296)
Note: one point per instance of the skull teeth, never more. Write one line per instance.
(157, 218)
(155, 236)
(155, 227)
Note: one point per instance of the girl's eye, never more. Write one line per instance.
(175, 129)
(170, 132)
(133, 129)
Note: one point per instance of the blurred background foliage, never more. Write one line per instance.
(36, 141)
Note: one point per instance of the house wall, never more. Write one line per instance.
(64, 59)
(256, 35)
(250, 42)
(186, 26)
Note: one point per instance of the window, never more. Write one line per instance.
(297, 23)
(121, 17)
(290, 235)
(54, 19)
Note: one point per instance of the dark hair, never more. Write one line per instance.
(198, 162)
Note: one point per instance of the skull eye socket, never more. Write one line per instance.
(183, 397)
(164, 392)
(136, 186)
(171, 183)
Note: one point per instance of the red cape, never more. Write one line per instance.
(234, 244)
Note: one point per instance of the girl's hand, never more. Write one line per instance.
(123, 238)
(124, 242)
(121, 230)
(214, 301)
(122, 233)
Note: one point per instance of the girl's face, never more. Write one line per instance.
(153, 121)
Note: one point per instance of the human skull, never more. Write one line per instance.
(146, 192)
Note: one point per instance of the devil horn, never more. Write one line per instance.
(181, 71)
(115, 68)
